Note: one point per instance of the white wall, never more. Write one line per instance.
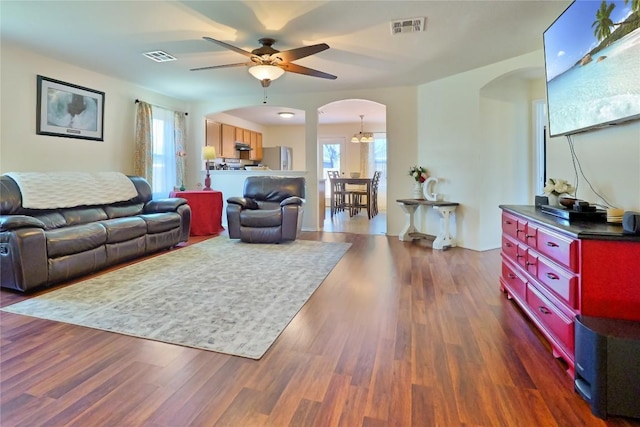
(474, 136)
(21, 149)
(288, 136)
(610, 159)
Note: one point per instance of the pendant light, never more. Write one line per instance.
(362, 136)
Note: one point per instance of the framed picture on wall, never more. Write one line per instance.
(68, 110)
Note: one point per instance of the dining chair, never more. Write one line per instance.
(361, 199)
(374, 192)
(340, 199)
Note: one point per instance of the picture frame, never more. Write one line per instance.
(68, 110)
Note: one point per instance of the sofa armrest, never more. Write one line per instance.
(23, 261)
(243, 202)
(164, 205)
(293, 200)
(13, 222)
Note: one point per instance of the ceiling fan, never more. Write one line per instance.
(268, 64)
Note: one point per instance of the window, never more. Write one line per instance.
(164, 150)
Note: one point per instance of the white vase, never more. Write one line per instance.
(553, 200)
(417, 191)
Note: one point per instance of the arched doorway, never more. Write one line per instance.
(339, 123)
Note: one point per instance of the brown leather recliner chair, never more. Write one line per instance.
(270, 210)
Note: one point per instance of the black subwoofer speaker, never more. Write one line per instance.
(607, 365)
(631, 222)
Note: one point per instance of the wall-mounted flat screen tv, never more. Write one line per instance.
(592, 64)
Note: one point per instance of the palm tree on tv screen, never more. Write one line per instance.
(635, 5)
(603, 23)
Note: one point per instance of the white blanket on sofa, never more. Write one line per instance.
(53, 190)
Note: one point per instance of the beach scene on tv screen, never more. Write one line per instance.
(592, 59)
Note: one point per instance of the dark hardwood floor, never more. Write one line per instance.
(397, 335)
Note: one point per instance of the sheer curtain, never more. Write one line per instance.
(377, 161)
(160, 136)
(366, 159)
(142, 157)
(180, 140)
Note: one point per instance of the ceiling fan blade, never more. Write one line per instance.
(230, 47)
(301, 52)
(240, 64)
(299, 69)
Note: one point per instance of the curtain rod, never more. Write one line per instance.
(166, 108)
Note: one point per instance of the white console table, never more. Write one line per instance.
(444, 240)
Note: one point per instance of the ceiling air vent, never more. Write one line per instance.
(409, 25)
(159, 56)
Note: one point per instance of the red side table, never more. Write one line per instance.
(206, 211)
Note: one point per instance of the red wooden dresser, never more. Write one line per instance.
(555, 269)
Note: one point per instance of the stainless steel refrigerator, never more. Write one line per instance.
(277, 158)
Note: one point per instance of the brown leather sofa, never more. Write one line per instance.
(270, 210)
(43, 247)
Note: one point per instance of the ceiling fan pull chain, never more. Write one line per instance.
(265, 96)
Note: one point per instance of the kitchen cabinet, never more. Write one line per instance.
(555, 269)
(239, 134)
(228, 136)
(213, 136)
(259, 146)
(256, 146)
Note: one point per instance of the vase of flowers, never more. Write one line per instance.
(419, 175)
(555, 187)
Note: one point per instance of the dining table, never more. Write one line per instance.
(367, 183)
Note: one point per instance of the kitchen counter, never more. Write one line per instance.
(255, 173)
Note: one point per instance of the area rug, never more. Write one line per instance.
(220, 295)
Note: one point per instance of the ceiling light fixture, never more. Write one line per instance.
(266, 73)
(286, 114)
(362, 136)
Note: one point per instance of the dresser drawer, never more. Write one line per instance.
(510, 224)
(509, 247)
(562, 283)
(561, 249)
(512, 280)
(530, 235)
(554, 321)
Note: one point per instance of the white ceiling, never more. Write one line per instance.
(110, 37)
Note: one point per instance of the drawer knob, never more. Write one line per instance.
(511, 276)
(552, 276)
(507, 222)
(528, 236)
(543, 310)
(519, 256)
(530, 263)
(508, 245)
(552, 244)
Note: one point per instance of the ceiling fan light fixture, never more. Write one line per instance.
(266, 72)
